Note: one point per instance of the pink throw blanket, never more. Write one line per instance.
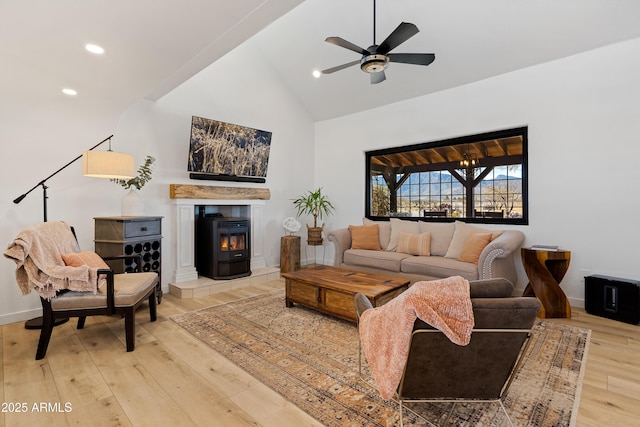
(385, 332)
(37, 252)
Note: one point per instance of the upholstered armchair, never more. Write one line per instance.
(76, 284)
(437, 370)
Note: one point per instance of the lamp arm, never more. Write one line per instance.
(19, 199)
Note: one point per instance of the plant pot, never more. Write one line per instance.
(314, 235)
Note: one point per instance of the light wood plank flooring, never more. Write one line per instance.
(173, 379)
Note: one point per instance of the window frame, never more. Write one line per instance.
(452, 142)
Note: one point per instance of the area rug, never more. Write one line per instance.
(311, 359)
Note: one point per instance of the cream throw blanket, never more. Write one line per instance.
(385, 332)
(37, 252)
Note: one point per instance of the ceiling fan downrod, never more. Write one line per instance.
(374, 22)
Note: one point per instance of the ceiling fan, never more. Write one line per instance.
(376, 58)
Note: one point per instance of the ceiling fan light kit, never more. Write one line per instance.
(376, 58)
(374, 63)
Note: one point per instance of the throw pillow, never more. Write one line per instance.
(399, 226)
(414, 244)
(441, 235)
(365, 237)
(385, 230)
(88, 258)
(473, 247)
(460, 235)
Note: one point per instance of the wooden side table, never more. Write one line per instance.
(289, 254)
(545, 270)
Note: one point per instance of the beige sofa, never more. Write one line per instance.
(420, 250)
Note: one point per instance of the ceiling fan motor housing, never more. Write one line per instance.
(374, 63)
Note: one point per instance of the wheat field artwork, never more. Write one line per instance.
(228, 149)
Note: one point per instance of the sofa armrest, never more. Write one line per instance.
(496, 259)
(341, 239)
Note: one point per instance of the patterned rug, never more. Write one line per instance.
(312, 360)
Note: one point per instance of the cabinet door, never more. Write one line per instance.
(339, 303)
(302, 293)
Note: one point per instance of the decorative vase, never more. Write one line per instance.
(132, 204)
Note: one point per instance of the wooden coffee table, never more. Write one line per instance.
(331, 290)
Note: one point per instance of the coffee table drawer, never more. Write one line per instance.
(303, 293)
(339, 303)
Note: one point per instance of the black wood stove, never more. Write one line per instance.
(223, 247)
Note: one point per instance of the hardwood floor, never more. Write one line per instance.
(87, 377)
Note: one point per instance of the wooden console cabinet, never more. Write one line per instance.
(131, 235)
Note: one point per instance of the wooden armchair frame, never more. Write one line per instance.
(49, 314)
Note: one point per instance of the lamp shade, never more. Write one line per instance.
(108, 164)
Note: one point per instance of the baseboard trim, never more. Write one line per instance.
(20, 316)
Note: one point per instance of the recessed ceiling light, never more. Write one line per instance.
(317, 74)
(68, 91)
(94, 48)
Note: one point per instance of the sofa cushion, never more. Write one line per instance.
(384, 231)
(435, 266)
(399, 226)
(441, 235)
(414, 244)
(473, 247)
(460, 235)
(365, 237)
(377, 259)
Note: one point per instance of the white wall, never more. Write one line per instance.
(583, 114)
(230, 90)
(33, 145)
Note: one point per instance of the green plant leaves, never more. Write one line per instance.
(144, 175)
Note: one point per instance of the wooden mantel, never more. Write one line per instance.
(187, 191)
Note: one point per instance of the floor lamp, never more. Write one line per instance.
(97, 164)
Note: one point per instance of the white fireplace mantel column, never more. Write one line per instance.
(184, 221)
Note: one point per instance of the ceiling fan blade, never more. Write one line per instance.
(412, 58)
(378, 77)
(339, 41)
(401, 34)
(340, 67)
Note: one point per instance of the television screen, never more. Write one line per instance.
(221, 148)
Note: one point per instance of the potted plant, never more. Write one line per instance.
(132, 205)
(314, 203)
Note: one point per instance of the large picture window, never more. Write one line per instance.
(476, 178)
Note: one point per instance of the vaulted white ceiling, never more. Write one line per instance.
(154, 45)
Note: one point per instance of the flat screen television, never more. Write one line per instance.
(228, 152)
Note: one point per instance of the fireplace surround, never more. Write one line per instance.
(231, 201)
